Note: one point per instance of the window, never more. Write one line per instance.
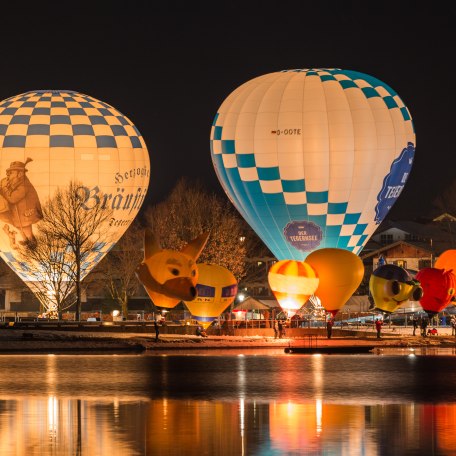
(424, 263)
(401, 263)
(386, 238)
(205, 291)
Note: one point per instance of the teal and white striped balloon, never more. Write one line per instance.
(313, 158)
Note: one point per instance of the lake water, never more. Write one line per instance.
(254, 402)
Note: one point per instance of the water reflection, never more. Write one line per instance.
(227, 405)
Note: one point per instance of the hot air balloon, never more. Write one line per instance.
(391, 286)
(170, 276)
(49, 138)
(447, 260)
(216, 290)
(313, 158)
(438, 289)
(292, 283)
(339, 272)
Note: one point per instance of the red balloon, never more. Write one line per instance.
(438, 288)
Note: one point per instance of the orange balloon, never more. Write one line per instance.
(170, 276)
(340, 272)
(447, 261)
(292, 282)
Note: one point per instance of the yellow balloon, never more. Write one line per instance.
(216, 290)
(340, 273)
(391, 286)
(292, 282)
(170, 276)
(49, 138)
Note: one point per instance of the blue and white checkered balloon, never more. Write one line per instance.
(313, 158)
(49, 138)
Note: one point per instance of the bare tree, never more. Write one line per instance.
(53, 273)
(69, 236)
(118, 267)
(187, 212)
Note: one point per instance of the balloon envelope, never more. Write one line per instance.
(170, 276)
(447, 260)
(391, 286)
(340, 272)
(438, 289)
(292, 282)
(57, 136)
(313, 158)
(216, 290)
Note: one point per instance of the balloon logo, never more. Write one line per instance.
(170, 276)
(292, 283)
(313, 159)
(391, 286)
(216, 290)
(438, 289)
(49, 138)
(340, 272)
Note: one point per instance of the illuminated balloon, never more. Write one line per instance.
(391, 286)
(313, 158)
(340, 272)
(170, 276)
(438, 289)
(447, 260)
(216, 290)
(49, 138)
(292, 282)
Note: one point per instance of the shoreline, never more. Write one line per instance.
(48, 341)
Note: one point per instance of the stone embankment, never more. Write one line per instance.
(48, 341)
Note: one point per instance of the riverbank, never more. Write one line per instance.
(46, 341)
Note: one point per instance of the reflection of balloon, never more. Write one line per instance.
(391, 286)
(447, 260)
(313, 158)
(216, 290)
(54, 137)
(340, 272)
(438, 289)
(292, 282)
(167, 275)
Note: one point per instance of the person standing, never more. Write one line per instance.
(423, 326)
(276, 328)
(415, 325)
(453, 325)
(378, 327)
(280, 327)
(329, 326)
(157, 331)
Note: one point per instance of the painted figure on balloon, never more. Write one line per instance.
(19, 203)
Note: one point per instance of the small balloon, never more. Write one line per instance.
(216, 290)
(340, 272)
(292, 282)
(438, 289)
(170, 276)
(391, 286)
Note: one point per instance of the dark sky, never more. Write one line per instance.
(169, 67)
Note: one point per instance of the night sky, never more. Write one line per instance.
(169, 67)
